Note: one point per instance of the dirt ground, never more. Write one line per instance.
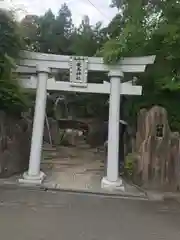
(79, 169)
(73, 166)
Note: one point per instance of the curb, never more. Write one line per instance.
(57, 188)
(142, 195)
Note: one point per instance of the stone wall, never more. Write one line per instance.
(157, 151)
(15, 138)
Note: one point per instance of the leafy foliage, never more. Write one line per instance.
(149, 27)
(11, 96)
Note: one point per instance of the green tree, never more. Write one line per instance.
(87, 39)
(149, 27)
(62, 31)
(30, 30)
(46, 33)
(12, 98)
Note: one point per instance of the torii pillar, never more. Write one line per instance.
(34, 175)
(112, 179)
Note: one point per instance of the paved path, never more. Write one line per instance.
(33, 215)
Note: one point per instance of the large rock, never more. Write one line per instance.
(15, 138)
(157, 150)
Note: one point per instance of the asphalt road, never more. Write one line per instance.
(33, 215)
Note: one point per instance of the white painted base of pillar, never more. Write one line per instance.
(118, 185)
(29, 179)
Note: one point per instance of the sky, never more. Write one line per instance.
(99, 12)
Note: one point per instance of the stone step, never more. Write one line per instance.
(70, 162)
(56, 148)
(71, 154)
(61, 163)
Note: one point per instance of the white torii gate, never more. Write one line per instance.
(35, 70)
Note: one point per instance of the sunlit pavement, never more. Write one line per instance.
(38, 215)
